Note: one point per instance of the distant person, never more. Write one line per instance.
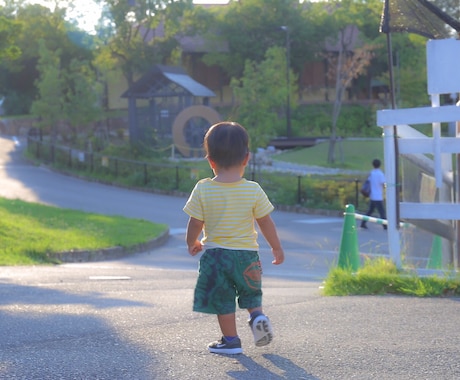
(377, 182)
(225, 208)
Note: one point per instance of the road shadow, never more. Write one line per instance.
(44, 334)
(13, 294)
(256, 370)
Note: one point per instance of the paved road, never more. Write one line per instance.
(132, 319)
(311, 242)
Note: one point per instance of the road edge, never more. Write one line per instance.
(110, 253)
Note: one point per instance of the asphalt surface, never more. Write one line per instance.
(131, 318)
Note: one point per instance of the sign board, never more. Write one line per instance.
(443, 74)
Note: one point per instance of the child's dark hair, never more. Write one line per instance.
(376, 163)
(227, 144)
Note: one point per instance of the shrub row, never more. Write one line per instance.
(284, 189)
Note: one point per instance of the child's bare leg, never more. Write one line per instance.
(230, 343)
(227, 323)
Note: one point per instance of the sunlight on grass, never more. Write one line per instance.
(357, 154)
(380, 276)
(30, 233)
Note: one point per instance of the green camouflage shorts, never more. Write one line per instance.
(224, 276)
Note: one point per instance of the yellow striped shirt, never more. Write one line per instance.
(228, 211)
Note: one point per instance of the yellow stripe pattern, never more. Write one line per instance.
(229, 211)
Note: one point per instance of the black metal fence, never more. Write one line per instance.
(288, 189)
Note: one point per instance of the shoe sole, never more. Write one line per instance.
(262, 331)
(226, 351)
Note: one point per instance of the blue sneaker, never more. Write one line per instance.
(261, 329)
(223, 346)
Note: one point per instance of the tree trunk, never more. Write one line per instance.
(337, 106)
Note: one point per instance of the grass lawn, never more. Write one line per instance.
(350, 154)
(30, 232)
(380, 276)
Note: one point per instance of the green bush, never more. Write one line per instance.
(316, 120)
(307, 191)
(287, 189)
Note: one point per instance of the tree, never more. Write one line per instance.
(349, 53)
(8, 49)
(410, 76)
(261, 93)
(249, 28)
(65, 95)
(143, 34)
(136, 42)
(81, 106)
(48, 108)
(344, 66)
(450, 7)
(35, 23)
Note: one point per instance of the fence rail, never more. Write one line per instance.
(283, 188)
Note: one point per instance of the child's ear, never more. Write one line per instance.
(212, 164)
(246, 159)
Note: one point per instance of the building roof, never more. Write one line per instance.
(189, 44)
(166, 81)
(200, 44)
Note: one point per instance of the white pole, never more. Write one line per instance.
(435, 102)
(392, 181)
(379, 220)
(457, 156)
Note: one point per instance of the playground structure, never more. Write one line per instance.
(430, 189)
(167, 96)
(191, 147)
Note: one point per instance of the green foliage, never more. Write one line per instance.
(137, 151)
(17, 102)
(315, 120)
(81, 105)
(259, 93)
(363, 14)
(34, 23)
(313, 192)
(247, 28)
(410, 70)
(65, 94)
(8, 29)
(130, 46)
(380, 276)
(328, 194)
(251, 27)
(32, 233)
(451, 8)
(48, 108)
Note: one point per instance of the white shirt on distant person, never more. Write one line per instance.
(377, 180)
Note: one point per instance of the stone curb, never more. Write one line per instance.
(111, 252)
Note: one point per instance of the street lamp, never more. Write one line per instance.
(288, 82)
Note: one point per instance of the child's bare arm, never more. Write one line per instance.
(194, 228)
(268, 229)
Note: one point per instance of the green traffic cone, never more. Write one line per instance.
(435, 259)
(349, 251)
